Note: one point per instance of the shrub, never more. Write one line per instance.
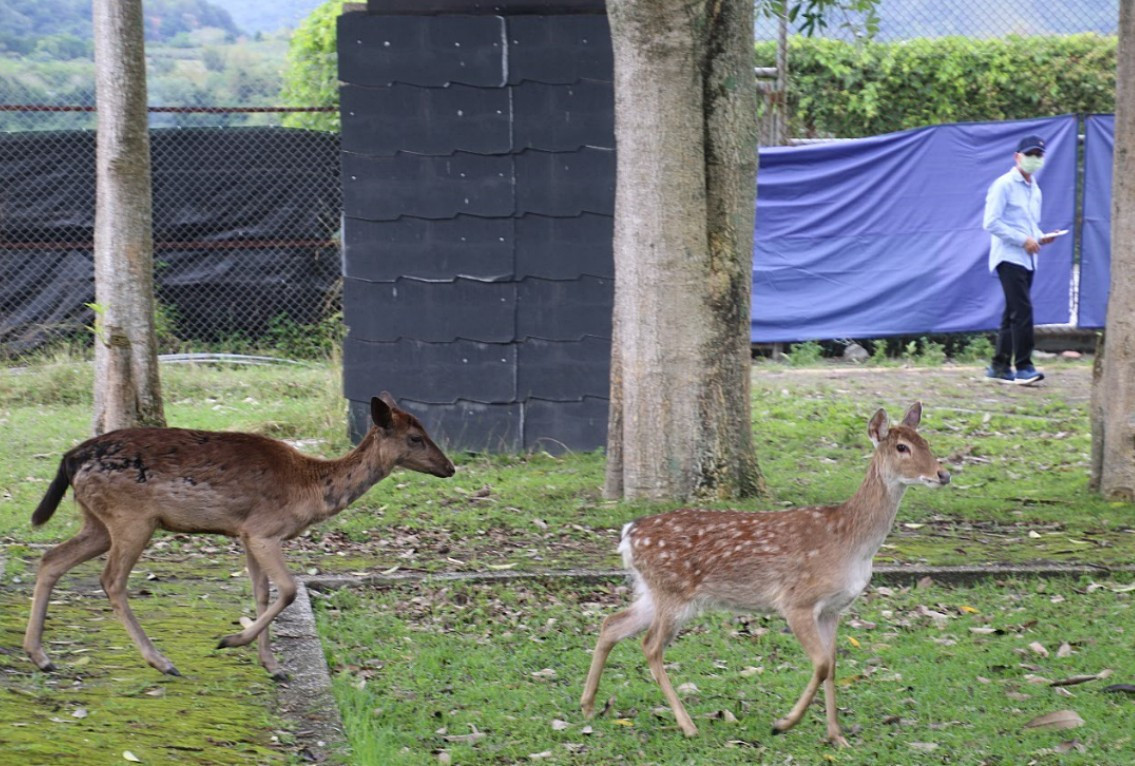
(860, 89)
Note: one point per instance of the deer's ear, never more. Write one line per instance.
(877, 429)
(913, 416)
(382, 412)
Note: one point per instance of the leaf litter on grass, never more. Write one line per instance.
(510, 659)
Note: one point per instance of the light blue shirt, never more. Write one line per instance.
(1012, 215)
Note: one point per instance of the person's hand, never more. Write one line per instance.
(1031, 246)
(1046, 240)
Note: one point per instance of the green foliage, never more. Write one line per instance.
(807, 353)
(310, 341)
(924, 351)
(978, 349)
(812, 16)
(861, 89)
(311, 78)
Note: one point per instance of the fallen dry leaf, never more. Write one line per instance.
(558, 725)
(722, 715)
(1061, 719)
(129, 756)
(1065, 650)
(1038, 648)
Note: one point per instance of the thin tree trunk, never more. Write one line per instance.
(127, 389)
(685, 130)
(1113, 397)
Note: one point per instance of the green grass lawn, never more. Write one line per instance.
(1019, 458)
(492, 673)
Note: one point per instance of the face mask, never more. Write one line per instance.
(1031, 165)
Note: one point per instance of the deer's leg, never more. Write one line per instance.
(263, 641)
(624, 624)
(92, 540)
(827, 625)
(271, 560)
(661, 631)
(126, 546)
(807, 632)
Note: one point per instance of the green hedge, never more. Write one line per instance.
(861, 89)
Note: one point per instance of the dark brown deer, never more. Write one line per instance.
(807, 564)
(131, 482)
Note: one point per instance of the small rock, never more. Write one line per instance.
(1071, 355)
(855, 353)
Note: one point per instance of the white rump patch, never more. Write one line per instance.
(625, 543)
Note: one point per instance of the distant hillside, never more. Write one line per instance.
(254, 16)
(62, 29)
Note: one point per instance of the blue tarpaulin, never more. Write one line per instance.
(1095, 250)
(882, 236)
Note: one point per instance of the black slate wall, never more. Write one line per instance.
(478, 191)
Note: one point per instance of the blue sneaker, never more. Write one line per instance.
(1000, 374)
(1027, 375)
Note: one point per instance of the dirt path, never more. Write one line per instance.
(956, 387)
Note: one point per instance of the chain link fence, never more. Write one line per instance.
(898, 20)
(246, 228)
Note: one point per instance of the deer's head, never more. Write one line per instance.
(903, 455)
(404, 436)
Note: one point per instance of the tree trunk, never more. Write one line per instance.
(685, 101)
(127, 390)
(1113, 411)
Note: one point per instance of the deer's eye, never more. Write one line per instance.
(902, 447)
(415, 439)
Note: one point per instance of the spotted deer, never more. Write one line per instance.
(131, 482)
(807, 564)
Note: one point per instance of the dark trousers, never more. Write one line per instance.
(1015, 337)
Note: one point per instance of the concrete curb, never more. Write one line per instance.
(305, 700)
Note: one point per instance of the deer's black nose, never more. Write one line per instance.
(944, 477)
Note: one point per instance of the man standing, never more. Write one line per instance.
(1012, 217)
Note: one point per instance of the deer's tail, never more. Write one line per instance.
(55, 493)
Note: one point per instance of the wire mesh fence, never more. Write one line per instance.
(897, 20)
(245, 215)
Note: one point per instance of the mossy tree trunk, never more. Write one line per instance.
(127, 389)
(685, 106)
(1113, 392)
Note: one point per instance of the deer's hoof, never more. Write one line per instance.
(48, 667)
(233, 639)
(172, 671)
(279, 676)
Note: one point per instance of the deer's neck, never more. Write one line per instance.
(344, 480)
(871, 511)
